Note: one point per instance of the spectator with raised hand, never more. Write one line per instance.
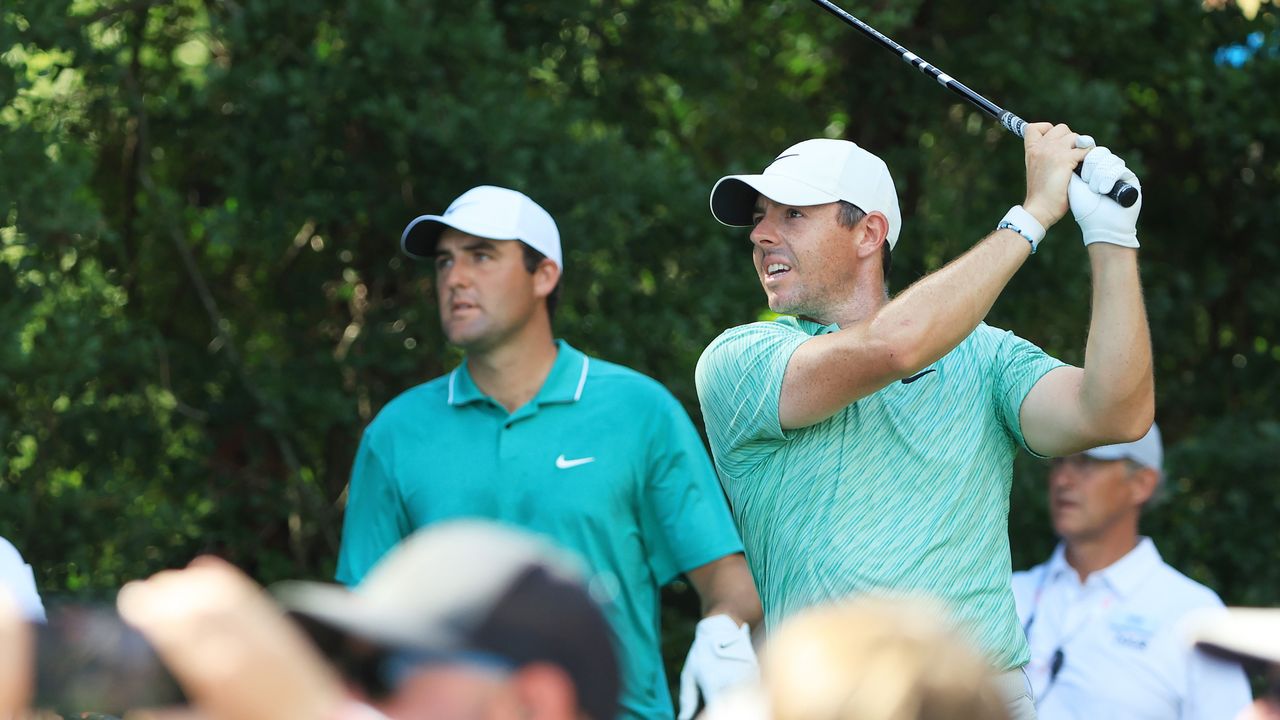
(466, 619)
(231, 647)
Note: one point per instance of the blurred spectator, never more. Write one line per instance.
(1101, 614)
(464, 620)
(867, 660)
(469, 619)
(17, 578)
(1245, 635)
(16, 647)
(232, 648)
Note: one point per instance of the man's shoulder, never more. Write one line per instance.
(784, 325)
(732, 344)
(411, 405)
(985, 339)
(1179, 591)
(624, 382)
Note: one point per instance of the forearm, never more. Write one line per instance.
(1117, 393)
(935, 314)
(725, 587)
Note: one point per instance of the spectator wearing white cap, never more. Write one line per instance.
(530, 431)
(866, 443)
(1249, 636)
(17, 578)
(1103, 614)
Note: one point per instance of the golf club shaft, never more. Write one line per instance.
(1123, 193)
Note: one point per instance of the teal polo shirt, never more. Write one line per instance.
(603, 460)
(903, 492)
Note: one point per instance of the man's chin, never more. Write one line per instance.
(778, 303)
(463, 337)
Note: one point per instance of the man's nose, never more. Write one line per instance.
(455, 276)
(763, 235)
(1063, 473)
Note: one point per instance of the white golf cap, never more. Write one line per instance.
(1147, 451)
(488, 212)
(814, 172)
(1237, 633)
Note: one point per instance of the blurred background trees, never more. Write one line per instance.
(202, 301)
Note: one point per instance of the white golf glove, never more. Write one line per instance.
(1100, 218)
(720, 658)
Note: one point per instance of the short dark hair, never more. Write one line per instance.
(849, 216)
(531, 259)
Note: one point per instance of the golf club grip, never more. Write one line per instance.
(1122, 192)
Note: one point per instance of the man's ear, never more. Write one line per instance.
(546, 692)
(545, 277)
(873, 232)
(1143, 484)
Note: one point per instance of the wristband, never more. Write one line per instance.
(1023, 223)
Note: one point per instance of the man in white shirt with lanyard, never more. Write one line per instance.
(1102, 615)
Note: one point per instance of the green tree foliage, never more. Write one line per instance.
(201, 301)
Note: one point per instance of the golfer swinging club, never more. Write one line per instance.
(866, 444)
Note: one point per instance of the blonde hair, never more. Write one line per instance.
(876, 660)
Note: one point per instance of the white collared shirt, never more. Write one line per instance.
(1123, 655)
(17, 579)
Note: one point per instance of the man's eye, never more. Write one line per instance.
(794, 213)
(755, 219)
(443, 262)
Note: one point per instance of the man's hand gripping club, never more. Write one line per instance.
(1100, 218)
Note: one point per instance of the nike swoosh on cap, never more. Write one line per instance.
(781, 157)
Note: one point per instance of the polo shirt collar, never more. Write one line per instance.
(809, 327)
(564, 384)
(1124, 575)
(568, 376)
(1129, 572)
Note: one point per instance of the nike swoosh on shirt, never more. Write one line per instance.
(917, 376)
(565, 464)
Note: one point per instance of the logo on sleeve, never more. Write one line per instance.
(917, 376)
(564, 463)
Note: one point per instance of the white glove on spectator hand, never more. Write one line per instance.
(1100, 218)
(721, 657)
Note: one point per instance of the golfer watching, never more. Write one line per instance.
(531, 432)
(866, 444)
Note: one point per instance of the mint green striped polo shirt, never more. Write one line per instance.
(905, 491)
(603, 460)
